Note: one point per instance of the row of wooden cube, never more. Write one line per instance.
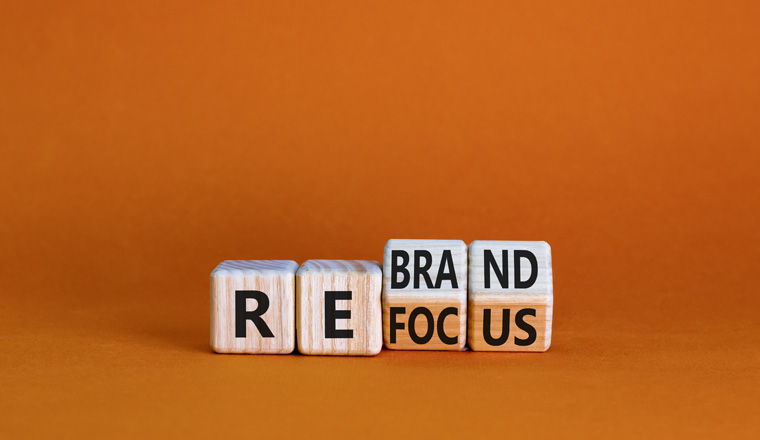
(428, 295)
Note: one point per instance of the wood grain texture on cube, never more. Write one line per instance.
(364, 280)
(435, 299)
(276, 278)
(538, 298)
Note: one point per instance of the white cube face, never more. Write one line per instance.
(511, 267)
(424, 265)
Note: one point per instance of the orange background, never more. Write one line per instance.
(144, 142)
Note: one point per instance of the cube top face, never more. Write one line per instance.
(339, 309)
(511, 268)
(254, 268)
(362, 266)
(253, 306)
(419, 266)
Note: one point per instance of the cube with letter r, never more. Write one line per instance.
(253, 306)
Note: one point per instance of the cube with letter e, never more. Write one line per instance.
(338, 303)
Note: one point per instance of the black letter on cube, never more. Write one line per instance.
(489, 262)
(420, 270)
(241, 316)
(395, 325)
(413, 331)
(490, 340)
(533, 269)
(399, 268)
(446, 339)
(524, 326)
(446, 261)
(332, 315)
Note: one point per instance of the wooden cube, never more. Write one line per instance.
(253, 306)
(511, 296)
(339, 310)
(425, 294)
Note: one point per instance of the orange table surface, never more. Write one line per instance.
(141, 143)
